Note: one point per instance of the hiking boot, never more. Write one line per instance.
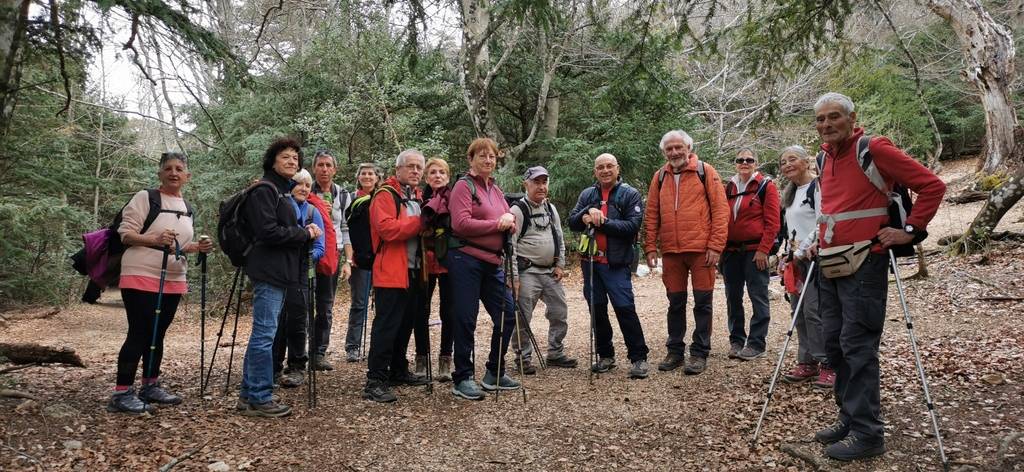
(748, 354)
(408, 378)
(421, 366)
(801, 373)
(243, 403)
(695, 365)
(603, 365)
(734, 351)
(672, 362)
(293, 378)
(444, 369)
(379, 392)
(154, 393)
(565, 362)
(854, 448)
(826, 378)
(269, 409)
(277, 379)
(128, 402)
(640, 370)
(832, 433)
(352, 355)
(320, 363)
(467, 389)
(490, 382)
(527, 367)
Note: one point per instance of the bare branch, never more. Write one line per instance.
(58, 39)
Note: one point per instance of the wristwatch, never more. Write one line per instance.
(910, 229)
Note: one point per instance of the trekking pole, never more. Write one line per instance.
(220, 333)
(234, 334)
(156, 317)
(590, 250)
(370, 305)
(917, 359)
(311, 330)
(782, 353)
(201, 262)
(515, 312)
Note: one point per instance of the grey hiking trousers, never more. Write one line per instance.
(544, 287)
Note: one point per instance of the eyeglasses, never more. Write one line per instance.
(745, 160)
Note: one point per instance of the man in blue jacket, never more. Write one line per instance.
(611, 213)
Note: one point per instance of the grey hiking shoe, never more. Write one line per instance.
(695, 365)
(467, 389)
(832, 433)
(444, 369)
(527, 367)
(128, 402)
(379, 392)
(269, 409)
(490, 382)
(639, 370)
(320, 363)
(408, 378)
(853, 447)
(748, 354)
(672, 362)
(154, 393)
(243, 403)
(734, 351)
(603, 365)
(421, 366)
(352, 356)
(293, 378)
(565, 362)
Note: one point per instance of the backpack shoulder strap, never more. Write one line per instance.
(524, 208)
(761, 188)
(867, 164)
(472, 188)
(661, 178)
(555, 232)
(811, 190)
(155, 204)
(820, 160)
(701, 173)
(309, 213)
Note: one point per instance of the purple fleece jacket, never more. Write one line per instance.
(478, 223)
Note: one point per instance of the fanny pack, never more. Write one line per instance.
(843, 261)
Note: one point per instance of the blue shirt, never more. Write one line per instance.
(300, 215)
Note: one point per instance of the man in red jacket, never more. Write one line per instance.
(398, 289)
(753, 225)
(853, 307)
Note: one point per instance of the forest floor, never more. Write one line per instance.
(967, 318)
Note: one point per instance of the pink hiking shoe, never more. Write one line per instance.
(826, 378)
(801, 373)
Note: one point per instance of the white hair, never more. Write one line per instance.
(676, 133)
(843, 101)
(303, 176)
(402, 156)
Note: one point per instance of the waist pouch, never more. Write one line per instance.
(523, 263)
(843, 261)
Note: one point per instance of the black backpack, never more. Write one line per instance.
(524, 207)
(358, 218)
(900, 203)
(233, 233)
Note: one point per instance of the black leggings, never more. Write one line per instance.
(447, 323)
(140, 308)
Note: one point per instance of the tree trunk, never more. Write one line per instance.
(475, 56)
(13, 19)
(999, 202)
(551, 117)
(988, 51)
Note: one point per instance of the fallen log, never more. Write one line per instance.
(816, 461)
(7, 393)
(38, 313)
(968, 196)
(24, 353)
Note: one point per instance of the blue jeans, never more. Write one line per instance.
(738, 268)
(614, 284)
(474, 281)
(258, 366)
(360, 282)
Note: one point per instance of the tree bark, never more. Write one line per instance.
(988, 50)
(13, 20)
(977, 236)
(37, 354)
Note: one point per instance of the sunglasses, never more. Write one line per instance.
(745, 160)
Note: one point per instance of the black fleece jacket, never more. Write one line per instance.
(280, 242)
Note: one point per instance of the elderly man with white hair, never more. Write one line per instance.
(687, 219)
(858, 172)
(397, 277)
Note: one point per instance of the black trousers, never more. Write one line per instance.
(396, 312)
(852, 317)
(440, 281)
(291, 330)
(326, 287)
(140, 308)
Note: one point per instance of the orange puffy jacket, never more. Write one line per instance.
(690, 217)
(392, 229)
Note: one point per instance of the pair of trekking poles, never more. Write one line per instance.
(520, 325)
(894, 268)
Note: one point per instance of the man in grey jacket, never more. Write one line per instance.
(539, 248)
(324, 168)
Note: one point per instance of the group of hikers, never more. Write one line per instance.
(461, 236)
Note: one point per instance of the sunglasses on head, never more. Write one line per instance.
(745, 160)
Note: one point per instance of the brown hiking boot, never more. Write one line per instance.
(444, 369)
(695, 365)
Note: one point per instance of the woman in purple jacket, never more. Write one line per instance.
(480, 221)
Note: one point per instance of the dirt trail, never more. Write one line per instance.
(973, 352)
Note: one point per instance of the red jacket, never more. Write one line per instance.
(391, 266)
(845, 187)
(749, 220)
(328, 264)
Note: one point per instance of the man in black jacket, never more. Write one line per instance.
(611, 213)
(273, 265)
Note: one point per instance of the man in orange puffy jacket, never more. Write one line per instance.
(687, 218)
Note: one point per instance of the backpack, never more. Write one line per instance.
(358, 219)
(100, 258)
(700, 174)
(445, 223)
(900, 203)
(233, 234)
(524, 207)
